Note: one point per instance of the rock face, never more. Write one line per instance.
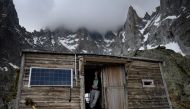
(171, 7)
(11, 43)
(11, 34)
(170, 23)
(132, 36)
(180, 26)
(167, 24)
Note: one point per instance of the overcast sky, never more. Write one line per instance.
(97, 15)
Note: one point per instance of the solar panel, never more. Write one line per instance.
(50, 77)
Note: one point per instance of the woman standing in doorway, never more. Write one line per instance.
(95, 92)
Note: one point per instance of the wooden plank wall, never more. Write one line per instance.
(140, 97)
(49, 97)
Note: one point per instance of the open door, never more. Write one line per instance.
(113, 82)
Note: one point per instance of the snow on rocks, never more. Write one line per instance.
(4, 69)
(146, 37)
(72, 36)
(35, 39)
(70, 42)
(143, 29)
(157, 21)
(108, 41)
(84, 51)
(171, 17)
(188, 16)
(14, 66)
(175, 47)
(123, 36)
(172, 46)
(147, 47)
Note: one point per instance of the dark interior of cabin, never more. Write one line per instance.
(89, 71)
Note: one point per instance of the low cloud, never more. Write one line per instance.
(97, 15)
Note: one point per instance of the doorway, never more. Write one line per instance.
(89, 75)
(112, 91)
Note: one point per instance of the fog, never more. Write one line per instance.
(95, 15)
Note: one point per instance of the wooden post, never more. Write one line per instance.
(82, 86)
(20, 81)
(165, 86)
(125, 85)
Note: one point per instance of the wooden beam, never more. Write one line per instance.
(20, 81)
(165, 86)
(106, 60)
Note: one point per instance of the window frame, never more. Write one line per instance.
(148, 80)
(29, 82)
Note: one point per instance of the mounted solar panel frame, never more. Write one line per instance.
(30, 73)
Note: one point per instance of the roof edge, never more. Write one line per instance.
(87, 54)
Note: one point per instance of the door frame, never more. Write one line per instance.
(83, 60)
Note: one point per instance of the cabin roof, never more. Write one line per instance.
(87, 54)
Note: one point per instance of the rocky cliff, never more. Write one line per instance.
(11, 43)
(11, 34)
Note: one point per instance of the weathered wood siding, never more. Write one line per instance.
(49, 97)
(140, 97)
(113, 82)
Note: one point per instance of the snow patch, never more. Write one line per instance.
(184, 8)
(14, 66)
(108, 41)
(172, 46)
(28, 41)
(68, 44)
(175, 47)
(171, 17)
(115, 33)
(143, 29)
(109, 50)
(76, 40)
(130, 49)
(147, 47)
(141, 48)
(72, 36)
(35, 39)
(123, 36)
(157, 21)
(146, 37)
(188, 16)
(84, 51)
(53, 41)
(4, 69)
(151, 47)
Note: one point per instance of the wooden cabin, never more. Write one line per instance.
(61, 80)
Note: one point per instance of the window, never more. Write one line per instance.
(50, 77)
(148, 83)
